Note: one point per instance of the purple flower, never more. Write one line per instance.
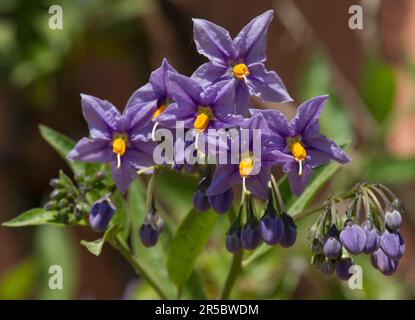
(353, 238)
(343, 268)
(383, 263)
(271, 228)
(221, 203)
(391, 242)
(290, 231)
(154, 96)
(239, 62)
(118, 139)
(332, 246)
(372, 238)
(301, 142)
(199, 108)
(393, 219)
(250, 236)
(148, 234)
(101, 214)
(253, 170)
(233, 241)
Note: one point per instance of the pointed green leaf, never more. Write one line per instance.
(188, 242)
(33, 217)
(95, 247)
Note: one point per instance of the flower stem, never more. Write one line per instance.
(122, 248)
(236, 265)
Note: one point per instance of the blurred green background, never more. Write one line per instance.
(108, 49)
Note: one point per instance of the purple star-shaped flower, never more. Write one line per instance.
(239, 61)
(199, 108)
(301, 142)
(122, 140)
(156, 94)
(253, 170)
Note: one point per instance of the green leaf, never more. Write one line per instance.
(62, 145)
(33, 217)
(378, 87)
(56, 247)
(39, 216)
(188, 242)
(121, 216)
(95, 247)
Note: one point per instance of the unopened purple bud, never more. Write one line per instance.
(233, 242)
(149, 235)
(372, 239)
(327, 267)
(393, 220)
(290, 231)
(250, 237)
(332, 247)
(383, 263)
(271, 229)
(201, 201)
(343, 271)
(101, 214)
(353, 238)
(221, 203)
(392, 244)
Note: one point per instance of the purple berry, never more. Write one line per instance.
(250, 237)
(101, 214)
(290, 231)
(271, 229)
(149, 235)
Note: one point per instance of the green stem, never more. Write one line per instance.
(236, 265)
(233, 273)
(122, 247)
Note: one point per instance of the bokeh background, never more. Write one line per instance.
(108, 49)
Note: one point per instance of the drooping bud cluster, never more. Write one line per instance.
(153, 224)
(69, 198)
(370, 226)
(274, 227)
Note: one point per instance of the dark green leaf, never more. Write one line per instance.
(391, 170)
(188, 242)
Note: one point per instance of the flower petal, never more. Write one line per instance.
(160, 81)
(221, 203)
(258, 184)
(250, 43)
(267, 84)
(101, 116)
(88, 150)
(307, 113)
(276, 120)
(185, 91)
(212, 41)
(209, 73)
(142, 96)
(225, 176)
(175, 113)
(297, 182)
(124, 175)
(323, 150)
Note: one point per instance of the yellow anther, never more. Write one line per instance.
(201, 122)
(159, 110)
(298, 151)
(240, 71)
(246, 166)
(119, 146)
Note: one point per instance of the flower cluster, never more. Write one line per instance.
(217, 96)
(370, 226)
(274, 227)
